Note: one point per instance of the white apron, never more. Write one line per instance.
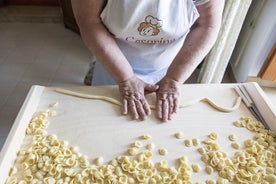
(149, 33)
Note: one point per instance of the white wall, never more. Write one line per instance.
(259, 44)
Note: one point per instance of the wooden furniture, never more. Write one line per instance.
(31, 2)
(268, 71)
(68, 16)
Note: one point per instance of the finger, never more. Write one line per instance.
(176, 104)
(171, 104)
(170, 107)
(165, 110)
(159, 108)
(132, 109)
(150, 88)
(140, 109)
(145, 106)
(161, 98)
(125, 104)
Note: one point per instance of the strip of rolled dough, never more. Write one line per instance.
(182, 105)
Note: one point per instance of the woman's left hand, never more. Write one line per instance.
(167, 98)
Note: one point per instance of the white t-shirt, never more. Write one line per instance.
(200, 2)
(149, 33)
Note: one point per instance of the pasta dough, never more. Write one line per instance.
(182, 105)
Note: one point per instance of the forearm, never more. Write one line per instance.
(103, 46)
(98, 39)
(198, 42)
(193, 51)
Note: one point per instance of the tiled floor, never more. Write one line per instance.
(35, 53)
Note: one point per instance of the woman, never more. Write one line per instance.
(148, 46)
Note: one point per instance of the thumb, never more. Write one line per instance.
(151, 88)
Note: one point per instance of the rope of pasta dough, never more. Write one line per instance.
(182, 105)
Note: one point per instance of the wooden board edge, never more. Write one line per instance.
(17, 133)
(263, 103)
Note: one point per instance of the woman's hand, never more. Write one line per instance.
(133, 97)
(167, 98)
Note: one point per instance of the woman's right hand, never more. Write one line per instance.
(133, 97)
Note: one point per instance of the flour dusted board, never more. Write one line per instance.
(99, 129)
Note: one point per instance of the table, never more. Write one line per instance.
(97, 128)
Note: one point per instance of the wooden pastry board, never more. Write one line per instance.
(99, 129)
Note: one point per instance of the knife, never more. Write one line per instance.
(242, 92)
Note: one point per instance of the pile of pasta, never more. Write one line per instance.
(52, 161)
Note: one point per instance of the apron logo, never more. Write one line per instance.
(150, 27)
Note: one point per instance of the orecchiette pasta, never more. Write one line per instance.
(137, 144)
(99, 161)
(232, 137)
(150, 146)
(188, 142)
(163, 151)
(195, 167)
(209, 169)
(235, 145)
(133, 151)
(195, 142)
(146, 136)
(213, 136)
(179, 135)
(52, 161)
